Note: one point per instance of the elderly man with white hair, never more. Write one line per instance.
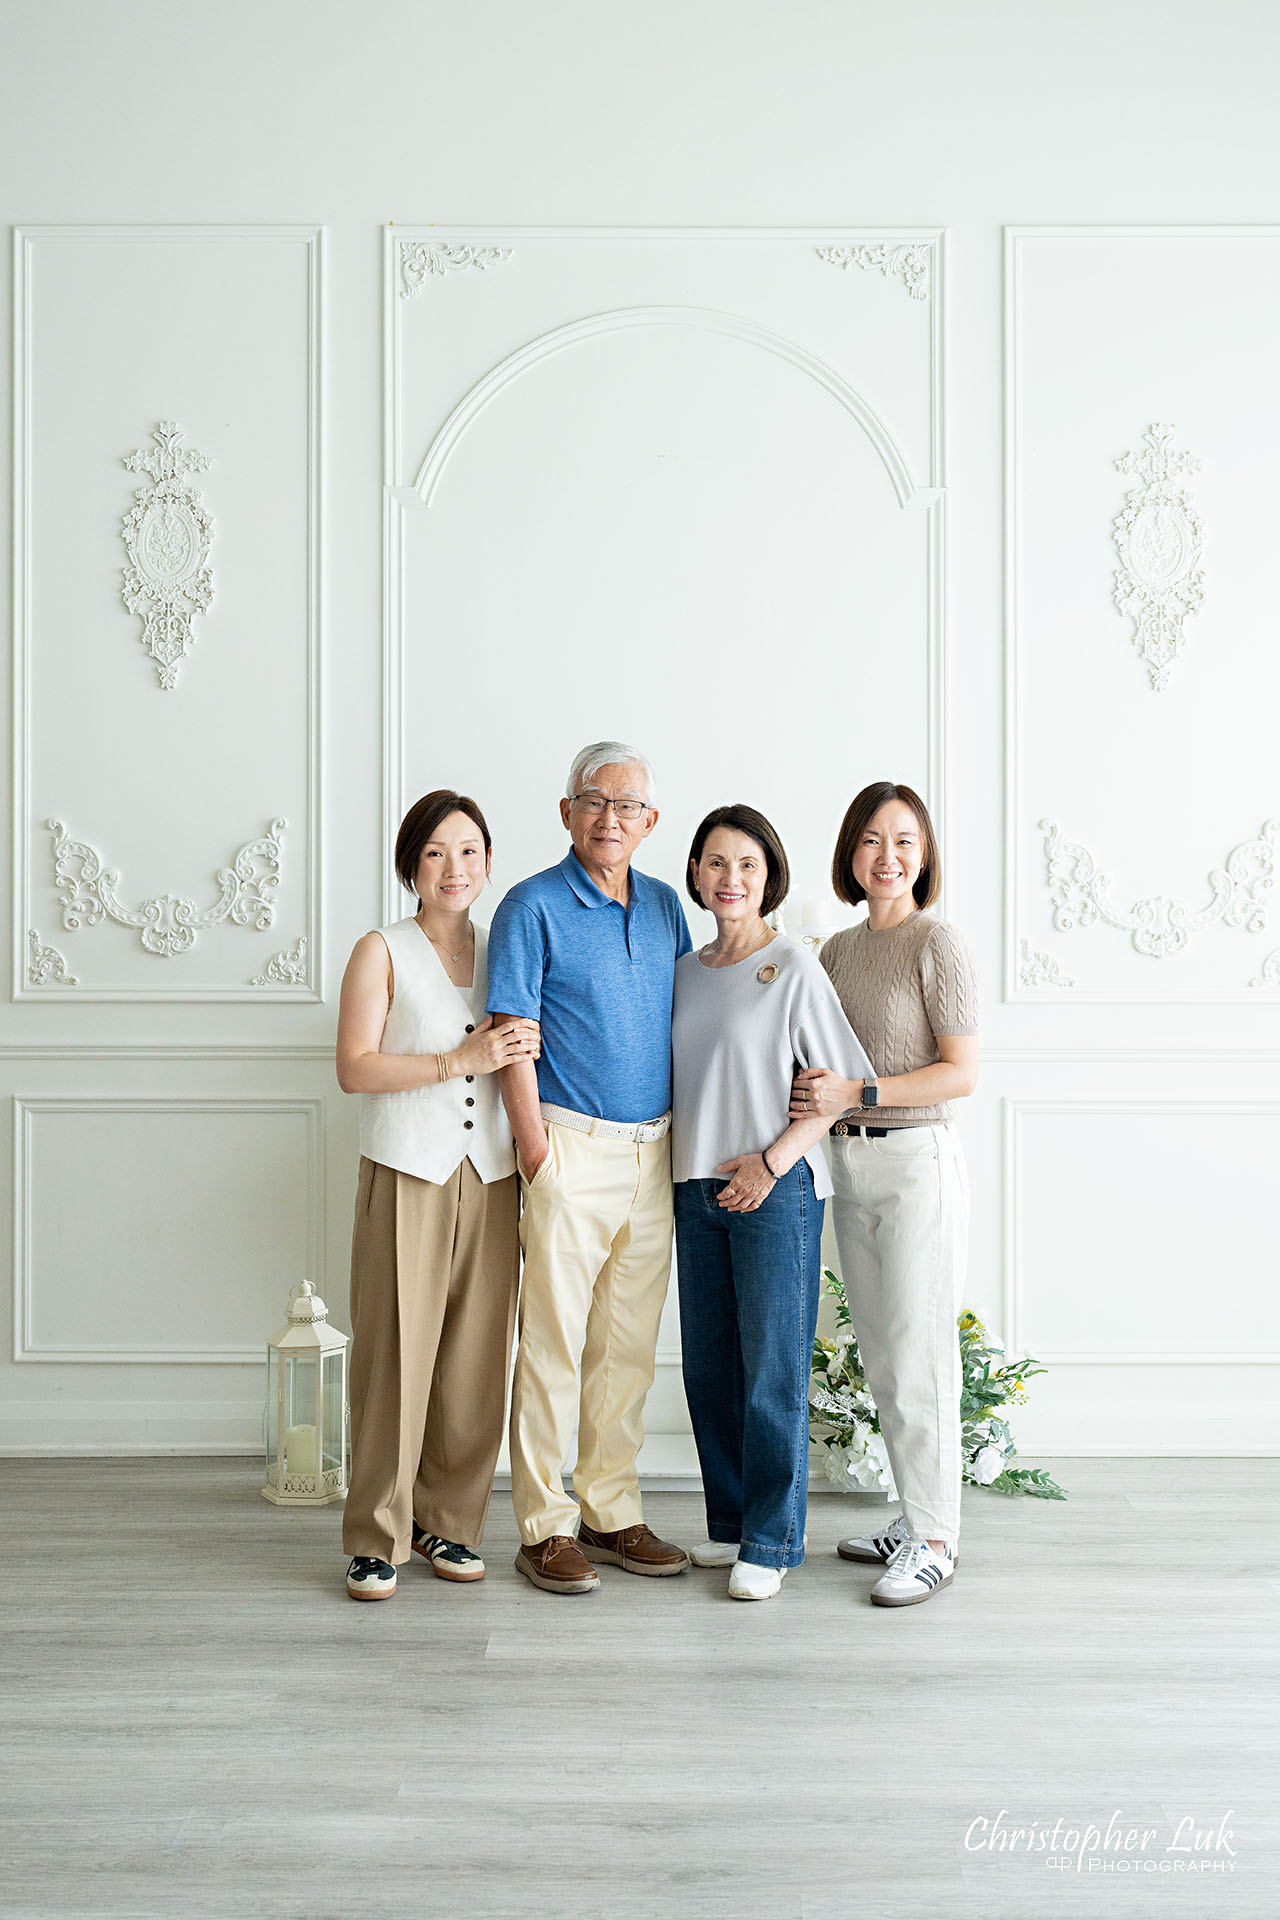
(588, 950)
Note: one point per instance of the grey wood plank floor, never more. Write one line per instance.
(198, 1722)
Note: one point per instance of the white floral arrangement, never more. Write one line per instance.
(845, 1426)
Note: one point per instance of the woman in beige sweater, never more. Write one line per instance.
(901, 1203)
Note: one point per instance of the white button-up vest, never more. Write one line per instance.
(429, 1131)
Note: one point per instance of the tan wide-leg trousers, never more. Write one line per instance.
(434, 1271)
(596, 1232)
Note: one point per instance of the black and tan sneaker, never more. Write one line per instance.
(449, 1558)
(369, 1579)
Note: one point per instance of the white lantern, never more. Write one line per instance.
(306, 1406)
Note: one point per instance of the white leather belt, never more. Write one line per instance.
(643, 1131)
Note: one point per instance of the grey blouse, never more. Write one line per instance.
(736, 1041)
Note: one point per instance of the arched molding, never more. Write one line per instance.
(731, 326)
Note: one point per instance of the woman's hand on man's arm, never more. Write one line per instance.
(817, 1093)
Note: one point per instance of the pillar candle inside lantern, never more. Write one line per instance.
(300, 1453)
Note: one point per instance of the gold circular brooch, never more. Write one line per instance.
(768, 973)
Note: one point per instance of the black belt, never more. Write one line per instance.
(846, 1127)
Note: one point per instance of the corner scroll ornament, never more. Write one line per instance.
(1268, 975)
(168, 536)
(908, 263)
(1040, 969)
(167, 924)
(1159, 581)
(285, 969)
(421, 260)
(46, 966)
(1239, 894)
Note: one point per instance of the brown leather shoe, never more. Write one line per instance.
(556, 1566)
(634, 1549)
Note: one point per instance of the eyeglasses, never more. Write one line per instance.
(623, 809)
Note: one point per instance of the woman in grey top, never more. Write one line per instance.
(901, 1205)
(751, 1185)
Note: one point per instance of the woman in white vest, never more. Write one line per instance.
(435, 1252)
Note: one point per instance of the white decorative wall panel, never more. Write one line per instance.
(162, 1229)
(608, 450)
(1142, 1232)
(1109, 330)
(218, 329)
(680, 488)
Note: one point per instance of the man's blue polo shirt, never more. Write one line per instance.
(598, 977)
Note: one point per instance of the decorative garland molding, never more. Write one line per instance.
(168, 924)
(1238, 262)
(1040, 969)
(1159, 581)
(1268, 974)
(422, 260)
(52, 265)
(908, 263)
(1159, 927)
(46, 967)
(168, 536)
(285, 969)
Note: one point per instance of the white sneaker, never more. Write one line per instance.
(874, 1549)
(916, 1572)
(714, 1553)
(748, 1582)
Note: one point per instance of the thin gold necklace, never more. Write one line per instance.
(453, 957)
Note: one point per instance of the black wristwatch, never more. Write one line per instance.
(870, 1094)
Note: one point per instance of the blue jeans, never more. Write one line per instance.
(748, 1310)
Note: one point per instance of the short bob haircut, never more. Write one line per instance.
(746, 820)
(420, 824)
(863, 809)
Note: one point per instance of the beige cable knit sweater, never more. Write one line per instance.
(899, 990)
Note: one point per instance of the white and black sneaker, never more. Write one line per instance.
(916, 1572)
(449, 1558)
(874, 1549)
(369, 1579)
(877, 1549)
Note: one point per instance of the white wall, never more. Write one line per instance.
(656, 522)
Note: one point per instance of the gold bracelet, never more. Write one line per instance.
(441, 1068)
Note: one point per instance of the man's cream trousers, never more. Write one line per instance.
(596, 1233)
(901, 1215)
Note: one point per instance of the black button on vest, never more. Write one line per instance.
(468, 1123)
(468, 1102)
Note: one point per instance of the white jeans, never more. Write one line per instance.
(901, 1215)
